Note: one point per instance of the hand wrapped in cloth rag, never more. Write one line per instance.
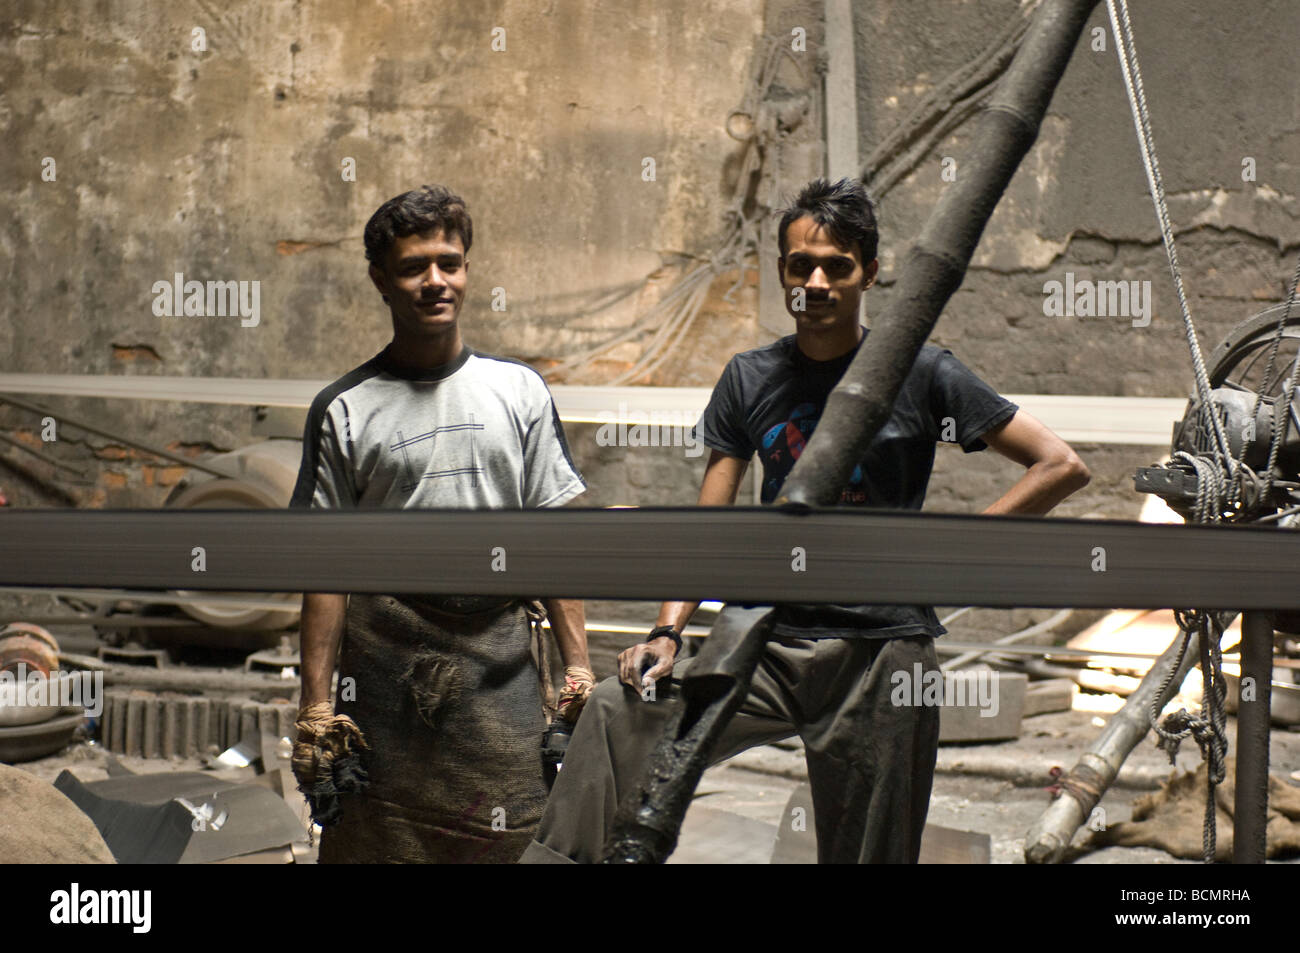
(578, 684)
(327, 760)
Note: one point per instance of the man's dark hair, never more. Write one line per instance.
(843, 209)
(430, 208)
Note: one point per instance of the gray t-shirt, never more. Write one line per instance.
(480, 432)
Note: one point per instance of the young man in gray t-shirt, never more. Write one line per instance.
(445, 699)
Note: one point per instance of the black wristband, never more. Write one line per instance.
(668, 630)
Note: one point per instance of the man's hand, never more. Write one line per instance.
(722, 479)
(327, 760)
(578, 684)
(658, 655)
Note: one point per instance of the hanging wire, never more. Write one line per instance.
(1127, 54)
(1217, 477)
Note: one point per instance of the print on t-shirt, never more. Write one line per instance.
(444, 451)
(480, 432)
(769, 401)
(782, 446)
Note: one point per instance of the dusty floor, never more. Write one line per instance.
(995, 789)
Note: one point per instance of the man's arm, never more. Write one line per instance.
(327, 743)
(324, 483)
(321, 630)
(569, 626)
(569, 623)
(568, 619)
(1054, 470)
(721, 482)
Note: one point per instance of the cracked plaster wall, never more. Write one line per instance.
(1220, 88)
(225, 164)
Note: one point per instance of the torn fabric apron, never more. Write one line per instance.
(445, 690)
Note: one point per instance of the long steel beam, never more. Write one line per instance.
(759, 555)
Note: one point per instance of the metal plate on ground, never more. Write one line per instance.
(185, 817)
(797, 843)
(711, 835)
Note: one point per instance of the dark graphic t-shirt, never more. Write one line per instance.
(768, 401)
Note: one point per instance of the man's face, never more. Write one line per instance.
(424, 278)
(832, 277)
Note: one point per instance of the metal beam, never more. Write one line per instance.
(738, 554)
(841, 85)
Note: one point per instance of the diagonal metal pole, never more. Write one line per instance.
(936, 265)
(647, 824)
(645, 831)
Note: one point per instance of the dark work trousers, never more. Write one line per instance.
(870, 762)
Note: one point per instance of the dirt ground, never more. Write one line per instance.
(998, 789)
(994, 789)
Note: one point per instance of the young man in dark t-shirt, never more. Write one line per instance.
(826, 673)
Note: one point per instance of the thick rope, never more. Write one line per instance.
(327, 760)
(1208, 728)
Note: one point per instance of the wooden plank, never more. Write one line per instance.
(1143, 421)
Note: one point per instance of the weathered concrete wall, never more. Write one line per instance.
(1220, 89)
(227, 164)
(1219, 93)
